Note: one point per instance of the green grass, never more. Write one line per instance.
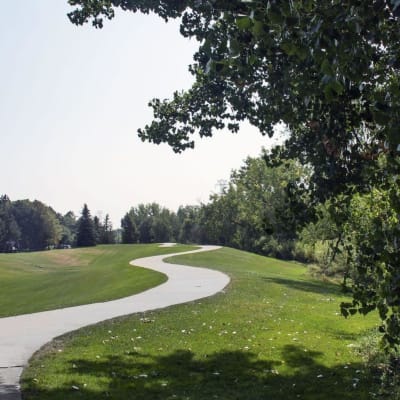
(274, 333)
(46, 280)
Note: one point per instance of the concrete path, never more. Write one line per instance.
(22, 335)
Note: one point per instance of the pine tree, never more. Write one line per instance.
(86, 233)
(107, 232)
(98, 227)
(9, 230)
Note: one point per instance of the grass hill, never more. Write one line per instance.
(54, 279)
(274, 333)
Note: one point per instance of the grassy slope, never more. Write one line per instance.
(47, 280)
(274, 334)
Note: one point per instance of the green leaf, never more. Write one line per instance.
(332, 88)
(302, 53)
(337, 87)
(289, 48)
(252, 59)
(244, 23)
(326, 68)
(258, 29)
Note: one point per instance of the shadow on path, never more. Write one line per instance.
(9, 392)
(223, 375)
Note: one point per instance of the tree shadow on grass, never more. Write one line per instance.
(324, 288)
(224, 375)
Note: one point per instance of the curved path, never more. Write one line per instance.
(22, 335)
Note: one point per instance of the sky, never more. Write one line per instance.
(72, 99)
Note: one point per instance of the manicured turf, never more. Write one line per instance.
(274, 334)
(48, 280)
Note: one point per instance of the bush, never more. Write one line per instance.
(383, 366)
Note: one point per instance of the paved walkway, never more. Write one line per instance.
(22, 335)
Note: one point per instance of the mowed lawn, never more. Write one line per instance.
(273, 334)
(46, 280)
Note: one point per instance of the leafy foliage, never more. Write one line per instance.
(27, 225)
(253, 212)
(372, 239)
(149, 223)
(69, 226)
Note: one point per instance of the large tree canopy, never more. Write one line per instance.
(328, 69)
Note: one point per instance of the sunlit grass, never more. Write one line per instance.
(273, 334)
(47, 280)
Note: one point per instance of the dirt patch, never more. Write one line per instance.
(72, 257)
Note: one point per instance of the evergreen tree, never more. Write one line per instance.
(98, 227)
(9, 231)
(86, 232)
(107, 236)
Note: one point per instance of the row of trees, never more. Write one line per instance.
(263, 209)
(32, 225)
(255, 211)
(152, 223)
(93, 231)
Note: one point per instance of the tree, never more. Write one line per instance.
(145, 231)
(107, 234)
(38, 225)
(48, 229)
(86, 234)
(162, 225)
(254, 212)
(98, 227)
(129, 229)
(9, 230)
(190, 229)
(265, 196)
(218, 218)
(69, 226)
(329, 70)
(291, 61)
(371, 236)
(149, 223)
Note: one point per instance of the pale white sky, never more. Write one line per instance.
(72, 99)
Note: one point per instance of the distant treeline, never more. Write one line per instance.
(262, 209)
(31, 225)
